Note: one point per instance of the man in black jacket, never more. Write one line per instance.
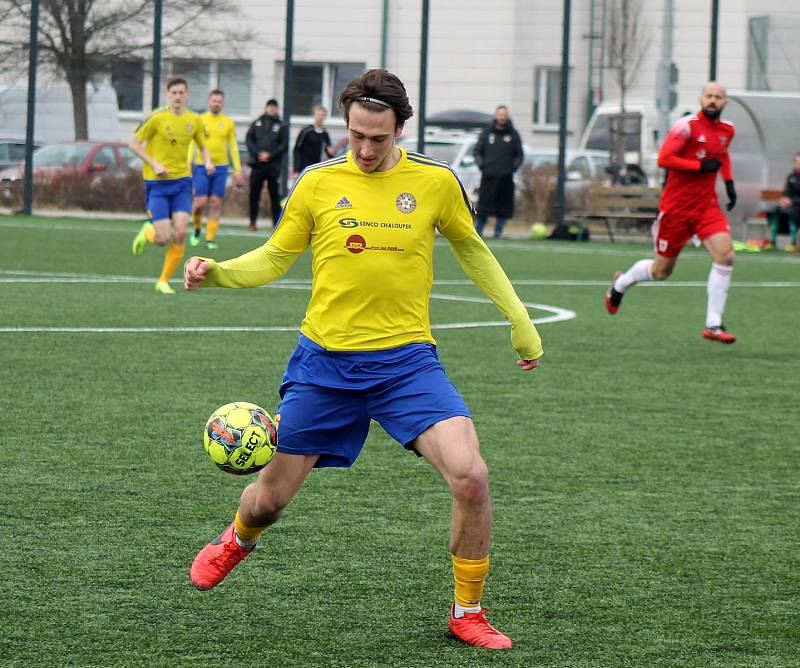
(789, 204)
(267, 142)
(312, 143)
(499, 154)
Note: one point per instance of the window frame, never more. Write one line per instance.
(335, 117)
(212, 66)
(541, 75)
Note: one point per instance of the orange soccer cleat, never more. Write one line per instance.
(474, 629)
(217, 559)
(718, 334)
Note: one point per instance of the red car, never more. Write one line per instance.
(92, 162)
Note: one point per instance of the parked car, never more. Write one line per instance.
(12, 151)
(454, 148)
(580, 165)
(583, 169)
(93, 164)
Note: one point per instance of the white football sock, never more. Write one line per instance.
(639, 272)
(244, 544)
(459, 610)
(719, 282)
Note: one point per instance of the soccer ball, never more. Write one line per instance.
(538, 231)
(240, 438)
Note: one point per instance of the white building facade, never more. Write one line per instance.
(480, 55)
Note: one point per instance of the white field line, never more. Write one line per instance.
(542, 247)
(558, 314)
(26, 276)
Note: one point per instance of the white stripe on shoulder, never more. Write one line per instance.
(682, 125)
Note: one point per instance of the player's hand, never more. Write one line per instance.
(731, 190)
(194, 273)
(159, 169)
(784, 203)
(210, 168)
(528, 365)
(263, 156)
(710, 165)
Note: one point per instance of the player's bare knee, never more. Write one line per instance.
(661, 273)
(162, 239)
(471, 485)
(726, 258)
(268, 505)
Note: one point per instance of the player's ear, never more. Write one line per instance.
(398, 131)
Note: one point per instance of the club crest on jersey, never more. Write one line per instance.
(406, 202)
(701, 138)
(701, 154)
(344, 203)
(189, 127)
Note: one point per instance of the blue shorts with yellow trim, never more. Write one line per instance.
(167, 197)
(205, 185)
(328, 399)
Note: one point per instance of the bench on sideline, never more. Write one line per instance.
(627, 206)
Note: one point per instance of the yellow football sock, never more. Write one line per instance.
(211, 229)
(150, 234)
(245, 533)
(469, 576)
(197, 216)
(172, 259)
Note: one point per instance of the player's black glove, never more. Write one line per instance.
(731, 190)
(710, 165)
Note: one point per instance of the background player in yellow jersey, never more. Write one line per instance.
(210, 189)
(162, 142)
(365, 351)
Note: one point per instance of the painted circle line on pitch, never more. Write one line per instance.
(558, 314)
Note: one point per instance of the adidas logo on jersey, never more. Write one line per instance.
(344, 203)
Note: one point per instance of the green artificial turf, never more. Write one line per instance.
(645, 481)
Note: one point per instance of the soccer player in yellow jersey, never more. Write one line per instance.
(162, 142)
(365, 350)
(210, 189)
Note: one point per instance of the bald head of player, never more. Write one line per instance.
(713, 99)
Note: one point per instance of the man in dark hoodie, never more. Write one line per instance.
(499, 154)
(267, 142)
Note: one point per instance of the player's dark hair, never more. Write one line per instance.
(377, 90)
(176, 80)
(216, 91)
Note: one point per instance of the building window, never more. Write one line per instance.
(757, 56)
(546, 87)
(230, 76)
(319, 83)
(127, 78)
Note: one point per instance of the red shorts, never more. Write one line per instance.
(671, 231)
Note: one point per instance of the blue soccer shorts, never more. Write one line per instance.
(205, 185)
(328, 399)
(167, 197)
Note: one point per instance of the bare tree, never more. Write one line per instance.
(80, 39)
(627, 41)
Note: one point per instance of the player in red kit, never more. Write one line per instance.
(695, 149)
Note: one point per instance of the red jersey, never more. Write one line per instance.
(692, 139)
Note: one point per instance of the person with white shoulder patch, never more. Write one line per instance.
(695, 149)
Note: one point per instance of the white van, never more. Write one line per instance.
(642, 130)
